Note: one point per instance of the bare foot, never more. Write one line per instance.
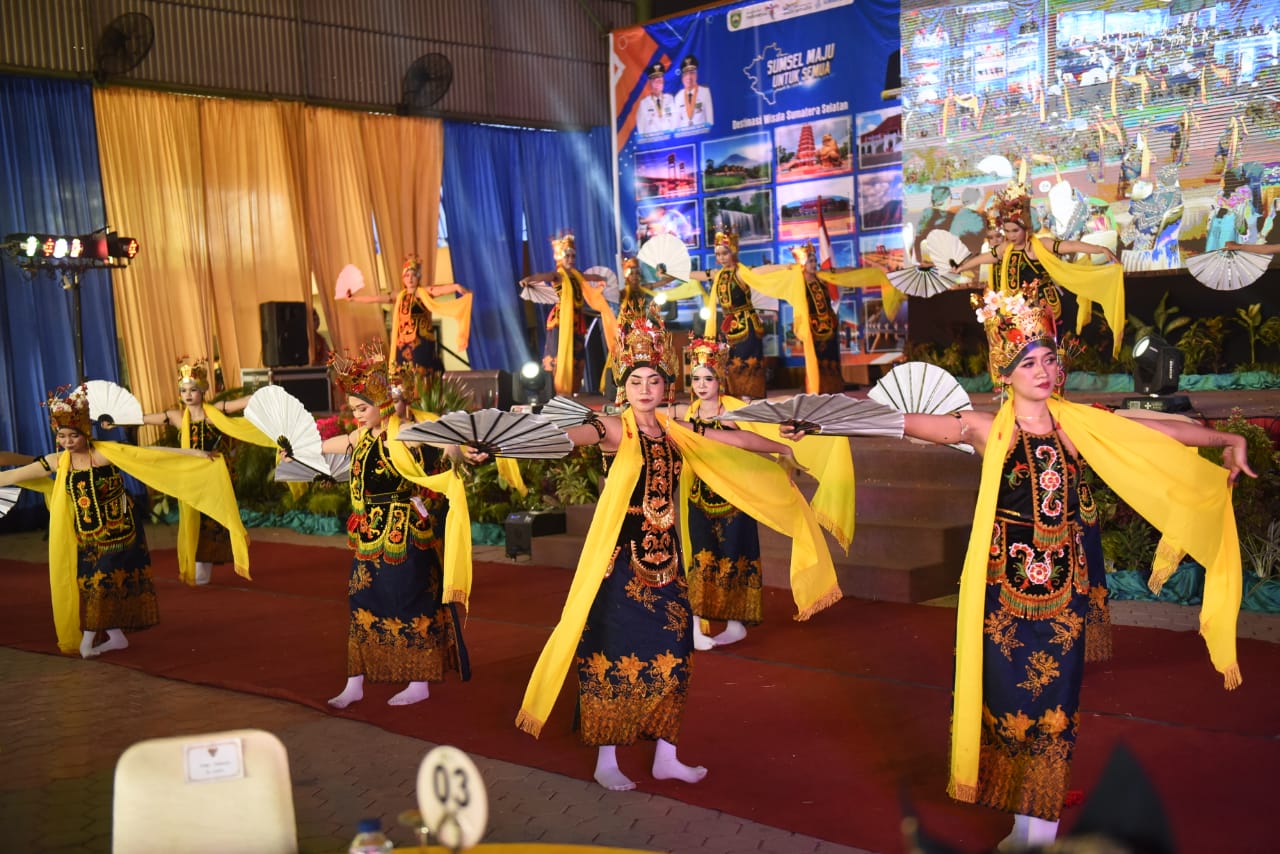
(614, 780)
(354, 692)
(115, 640)
(86, 645)
(700, 641)
(204, 572)
(674, 769)
(733, 633)
(415, 693)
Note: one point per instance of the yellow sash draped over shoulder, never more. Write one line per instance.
(769, 498)
(1090, 283)
(188, 517)
(593, 297)
(457, 522)
(459, 309)
(1184, 496)
(199, 481)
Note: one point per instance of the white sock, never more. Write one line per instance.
(1041, 831)
(607, 772)
(353, 692)
(700, 640)
(204, 572)
(86, 645)
(415, 693)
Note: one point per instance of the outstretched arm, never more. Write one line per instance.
(10, 459)
(450, 288)
(973, 262)
(748, 441)
(379, 298)
(236, 404)
(1068, 246)
(1235, 457)
(605, 431)
(169, 416)
(30, 471)
(1259, 248)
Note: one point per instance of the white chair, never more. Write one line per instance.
(158, 807)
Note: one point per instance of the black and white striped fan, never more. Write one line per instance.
(8, 498)
(828, 414)
(496, 432)
(1227, 270)
(923, 282)
(565, 413)
(919, 387)
(337, 469)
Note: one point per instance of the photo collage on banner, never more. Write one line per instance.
(1150, 128)
(768, 119)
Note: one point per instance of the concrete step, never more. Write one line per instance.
(901, 461)
(879, 502)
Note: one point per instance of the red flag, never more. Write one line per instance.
(824, 241)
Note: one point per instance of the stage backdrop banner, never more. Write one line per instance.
(1150, 127)
(748, 115)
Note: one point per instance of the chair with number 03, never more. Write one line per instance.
(204, 793)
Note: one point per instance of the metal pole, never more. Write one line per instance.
(71, 282)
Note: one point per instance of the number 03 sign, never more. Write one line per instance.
(452, 799)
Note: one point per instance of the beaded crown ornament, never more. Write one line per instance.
(804, 253)
(1014, 322)
(645, 344)
(727, 236)
(1014, 204)
(563, 245)
(706, 353)
(195, 371)
(365, 377)
(412, 261)
(69, 407)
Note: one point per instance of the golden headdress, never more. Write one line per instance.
(69, 407)
(563, 245)
(705, 353)
(727, 236)
(1014, 204)
(804, 252)
(412, 261)
(1014, 322)
(365, 377)
(645, 344)
(193, 371)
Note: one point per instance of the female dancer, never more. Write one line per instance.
(627, 615)
(409, 570)
(1025, 589)
(99, 566)
(1022, 259)
(202, 542)
(740, 325)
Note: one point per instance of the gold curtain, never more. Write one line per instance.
(149, 146)
(339, 217)
(257, 251)
(405, 157)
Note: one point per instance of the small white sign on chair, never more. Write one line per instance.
(213, 760)
(452, 798)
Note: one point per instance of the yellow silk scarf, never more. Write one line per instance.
(770, 498)
(458, 309)
(1180, 493)
(188, 517)
(199, 481)
(1102, 284)
(457, 521)
(594, 297)
(828, 459)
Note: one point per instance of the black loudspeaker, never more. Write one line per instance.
(309, 385)
(522, 526)
(284, 334)
(489, 389)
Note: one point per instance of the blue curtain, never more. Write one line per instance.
(50, 181)
(558, 181)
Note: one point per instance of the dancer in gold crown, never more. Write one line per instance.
(99, 566)
(202, 542)
(412, 563)
(626, 624)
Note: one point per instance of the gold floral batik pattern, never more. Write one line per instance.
(1037, 600)
(400, 630)
(113, 569)
(633, 659)
(741, 328)
(725, 580)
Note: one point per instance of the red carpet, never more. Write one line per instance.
(813, 727)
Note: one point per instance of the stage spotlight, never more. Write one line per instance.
(704, 313)
(659, 299)
(1157, 366)
(534, 382)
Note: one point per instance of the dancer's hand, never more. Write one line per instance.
(1235, 458)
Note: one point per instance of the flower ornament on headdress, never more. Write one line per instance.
(705, 353)
(365, 377)
(804, 253)
(412, 261)
(727, 236)
(645, 343)
(1014, 322)
(1014, 204)
(69, 407)
(193, 371)
(562, 246)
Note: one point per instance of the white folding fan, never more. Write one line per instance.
(610, 283)
(539, 293)
(496, 432)
(996, 164)
(350, 280)
(923, 281)
(1069, 210)
(565, 413)
(666, 253)
(1225, 270)
(828, 414)
(8, 498)
(944, 248)
(337, 469)
(112, 403)
(919, 387)
(283, 417)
